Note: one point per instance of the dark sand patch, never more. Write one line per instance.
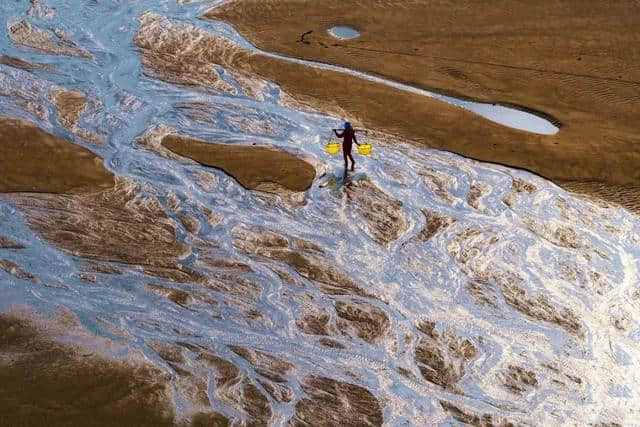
(25, 34)
(30, 98)
(518, 380)
(257, 240)
(234, 388)
(468, 50)
(362, 319)
(208, 419)
(87, 277)
(273, 370)
(251, 166)
(521, 186)
(331, 280)
(518, 186)
(316, 323)
(487, 281)
(442, 356)
(539, 307)
(104, 268)
(266, 364)
(435, 222)
(331, 402)
(15, 270)
(438, 182)
(483, 294)
(16, 62)
(178, 296)
(240, 289)
(191, 224)
(477, 192)
(267, 245)
(306, 245)
(7, 243)
(383, 213)
(176, 273)
(223, 261)
(45, 382)
(32, 160)
(625, 196)
(70, 104)
(469, 418)
(161, 56)
(113, 225)
(193, 387)
(556, 234)
(331, 343)
(169, 352)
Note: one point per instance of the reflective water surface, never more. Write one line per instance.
(344, 33)
(434, 278)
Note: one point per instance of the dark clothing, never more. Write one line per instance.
(349, 137)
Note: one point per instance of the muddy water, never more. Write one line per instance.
(433, 289)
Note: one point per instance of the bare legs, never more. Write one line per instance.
(347, 155)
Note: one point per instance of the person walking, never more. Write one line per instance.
(348, 135)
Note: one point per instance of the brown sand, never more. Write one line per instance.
(112, 225)
(88, 215)
(442, 356)
(251, 166)
(7, 243)
(32, 160)
(626, 196)
(362, 319)
(469, 418)
(70, 104)
(267, 245)
(383, 213)
(236, 389)
(46, 382)
(574, 62)
(25, 34)
(330, 403)
(15, 62)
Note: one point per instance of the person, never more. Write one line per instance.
(349, 137)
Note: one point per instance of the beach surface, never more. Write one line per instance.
(572, 63)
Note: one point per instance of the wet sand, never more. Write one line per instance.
(573, 63)
(27, 35)
(47, 382)
(626, 196)
(457, 348)
(251, 166)
(70, 104)
(15, 62)
(32, 160)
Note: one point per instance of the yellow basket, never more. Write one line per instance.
(364, 149)
(333, 147)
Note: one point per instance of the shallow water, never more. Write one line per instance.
(410, 279)
(344, 33)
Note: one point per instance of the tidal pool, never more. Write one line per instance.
(344, 32)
